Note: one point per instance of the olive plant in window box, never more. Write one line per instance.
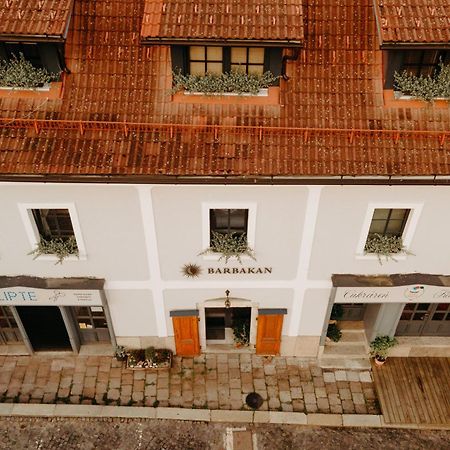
(60, 247)
(149, 358)
(385, 245)
(18, 73)
(229, 245)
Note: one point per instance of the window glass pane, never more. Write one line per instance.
(4, 323)
(256, 55)
(394, 227)
(409, 307)
(377, 227)
(405, 316)
(399, 214)
(438, 316)
(238, 219)
(430, 57)
(443, 306)
(238, 55)
(197, 68)
(214, 53)
(423, 306)
(238, 68)
(100, 323)
(197, 52)
(380, 214)
(419, 316)
(412, 57)
(83, 324)
(256, 70)
(214, 68)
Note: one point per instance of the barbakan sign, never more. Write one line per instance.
(239, 270)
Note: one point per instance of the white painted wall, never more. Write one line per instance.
(279, 216)
(312, 314)
(132, 312)
(340, 223)
(111, 226)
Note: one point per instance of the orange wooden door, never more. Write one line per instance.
(268, 336)
(186, 335)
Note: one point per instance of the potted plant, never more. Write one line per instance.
(333, 332)
(241, 332)
(119, 353)
(380, 347)
(149, 358)
(61, 248)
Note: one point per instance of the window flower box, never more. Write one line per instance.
(149, 358)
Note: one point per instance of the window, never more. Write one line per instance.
(415, 62)
(53, 223)
(389, 221)
(200, 59)
(228, 217)
(227, 221)
(42, 55)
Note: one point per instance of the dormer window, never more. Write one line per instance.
(203, 59)
(41, 55)
(414, 62)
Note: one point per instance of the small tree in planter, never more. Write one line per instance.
(380, 347)
(229, 82)
(241, 332)
(20, 73)
(385, 245)
(230, 245)
(61, 248)
(425, 87)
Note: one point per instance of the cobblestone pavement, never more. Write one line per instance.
(209, 381)
(132, 434)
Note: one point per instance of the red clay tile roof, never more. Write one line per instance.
(223, 19)
(335, 84)
(414, 21)
(35, 17)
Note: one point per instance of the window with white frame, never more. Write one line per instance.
(234, 219)
(386, 231)
(228, 221)
(53, 223)
(53, 230)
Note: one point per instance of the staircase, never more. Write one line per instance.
(352, 350)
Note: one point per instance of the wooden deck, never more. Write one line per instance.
(414, 390)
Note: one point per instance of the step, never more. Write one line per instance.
(345, 349)
(345, 363)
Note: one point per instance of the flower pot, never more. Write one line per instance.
(379, 361)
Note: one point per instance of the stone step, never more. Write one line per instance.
(350, 338)
(345, 363)
(347, 350)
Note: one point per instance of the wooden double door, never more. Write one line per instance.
(268, 336)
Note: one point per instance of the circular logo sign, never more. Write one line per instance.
(414, 292)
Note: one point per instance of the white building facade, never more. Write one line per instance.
(128, 286)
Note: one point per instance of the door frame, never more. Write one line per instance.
(220, 303)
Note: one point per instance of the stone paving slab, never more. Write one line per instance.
(211, 381)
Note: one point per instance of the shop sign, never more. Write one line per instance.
(417, 293)
(22, 296)
(238, 270)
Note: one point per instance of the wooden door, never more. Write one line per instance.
(268, 336)
(186, 335)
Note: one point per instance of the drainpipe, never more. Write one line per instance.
(286, 58)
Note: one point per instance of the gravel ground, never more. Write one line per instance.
(131, 434)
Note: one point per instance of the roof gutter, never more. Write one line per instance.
(415, 45)
(31, 38)
(338, 180)
(246, 42)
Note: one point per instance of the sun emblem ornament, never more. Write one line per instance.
(190, 270)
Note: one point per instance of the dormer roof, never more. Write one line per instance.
(413, 22)
(41, 19)
(280, 21)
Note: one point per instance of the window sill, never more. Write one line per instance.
(270, 96)
(55, 258)
(51, 91)
(217, 257)
(373, 257)
(394, 99)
